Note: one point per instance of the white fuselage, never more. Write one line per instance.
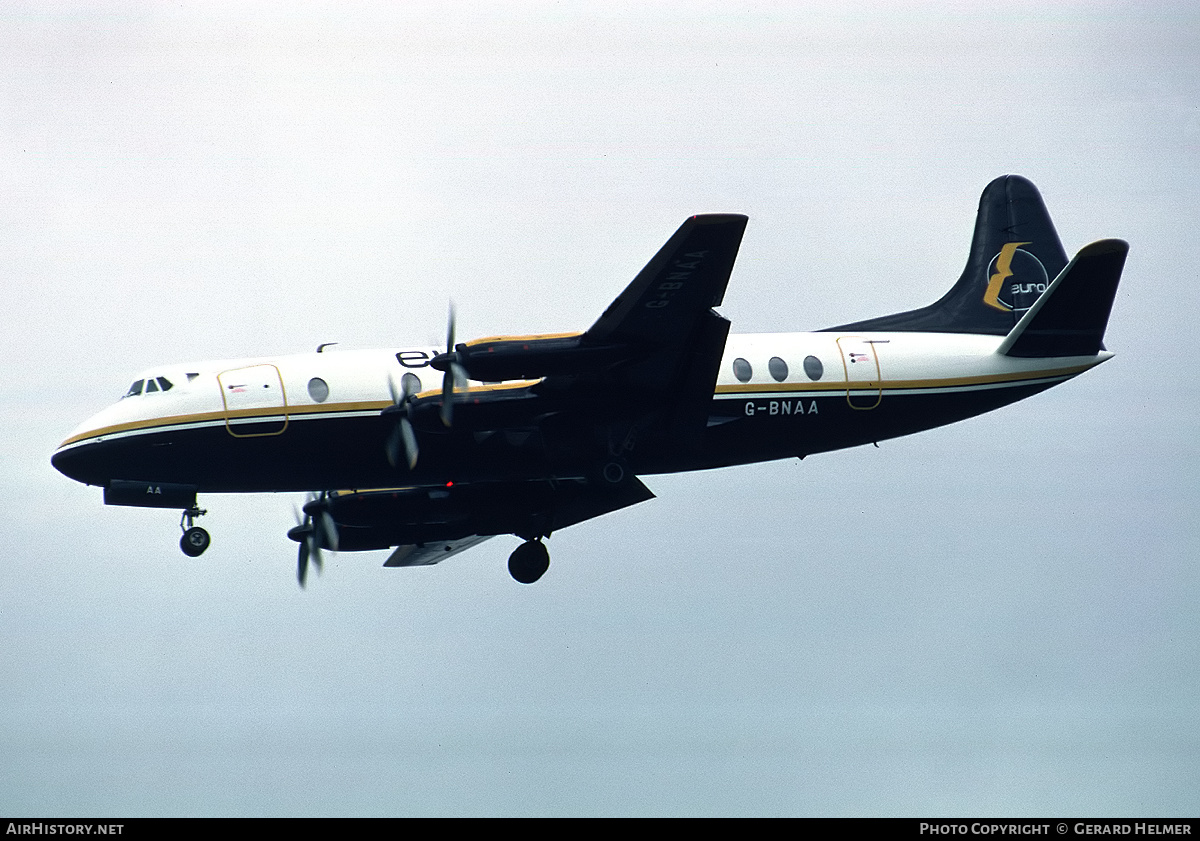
(848, 387)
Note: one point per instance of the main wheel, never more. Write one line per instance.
(529, 561)
(194, 541)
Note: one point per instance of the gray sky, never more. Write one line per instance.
(994, 618)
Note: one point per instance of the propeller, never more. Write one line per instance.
(402, 437)
(454, 376)
(313, 533)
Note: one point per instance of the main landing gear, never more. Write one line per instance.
(529, 561)
(195, 539)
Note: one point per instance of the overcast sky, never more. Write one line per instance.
(1000, 617)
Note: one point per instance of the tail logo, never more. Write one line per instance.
(1026, 275)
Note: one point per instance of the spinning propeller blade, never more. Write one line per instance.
(314, 532)
(454, 376)
(402, 437)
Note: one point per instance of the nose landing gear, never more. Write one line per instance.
(195, 539)
(529, 561)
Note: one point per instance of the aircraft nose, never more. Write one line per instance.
(76, 463)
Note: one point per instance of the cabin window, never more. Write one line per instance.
(813, 368)
(778, 369)
(742, 370)
(318, 390)
(410, 384)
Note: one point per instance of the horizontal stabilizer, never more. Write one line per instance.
(1070, 317)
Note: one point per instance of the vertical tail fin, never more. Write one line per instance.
(1015, 254)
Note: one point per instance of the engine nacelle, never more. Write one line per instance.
(399, 516)
(530, 358)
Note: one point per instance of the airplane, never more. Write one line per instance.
(527, 435)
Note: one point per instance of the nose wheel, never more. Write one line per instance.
(529, 562)
(195, 539)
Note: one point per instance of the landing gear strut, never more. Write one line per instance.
(529, 561)
(195, 539)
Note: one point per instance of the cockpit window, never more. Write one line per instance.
(148, 386)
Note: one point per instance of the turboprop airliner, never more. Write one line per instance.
(428, 451)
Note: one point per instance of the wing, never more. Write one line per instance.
(659, 315)
(577, 502)
(430, 524)
(665, 314)
(427, 554)
(651, 359)
(660, 340)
